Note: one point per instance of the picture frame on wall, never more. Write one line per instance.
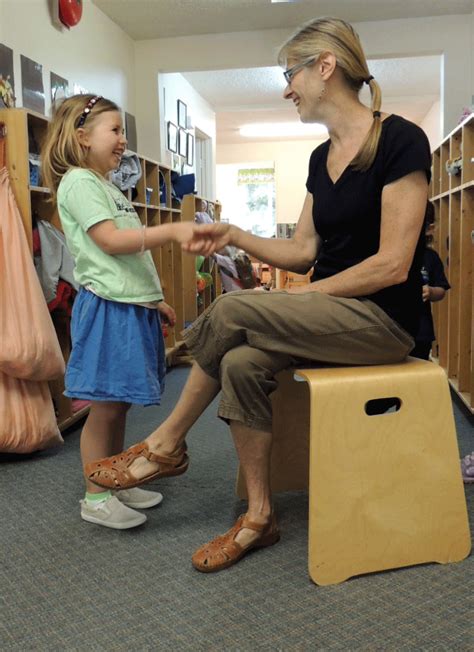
(182, 143)
(182, 114)
(59, 88)
(172, 137)
(32, 85)
(189, 149)
(131, 132)
(7, 78)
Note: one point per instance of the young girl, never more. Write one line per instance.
(117, 353)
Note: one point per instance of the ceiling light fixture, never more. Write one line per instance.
(282, 129)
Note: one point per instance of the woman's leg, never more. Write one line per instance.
(103, 433)
(198, 392)
(254, 449)
(282, 326)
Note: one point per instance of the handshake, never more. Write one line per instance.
(204, 239)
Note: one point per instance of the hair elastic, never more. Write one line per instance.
(376, 114)
(369, 79)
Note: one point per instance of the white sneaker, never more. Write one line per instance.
(138, 498)
(111, 513)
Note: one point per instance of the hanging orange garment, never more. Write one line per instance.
(29, 347)
(27, 421)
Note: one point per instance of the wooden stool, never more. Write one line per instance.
(385, 491)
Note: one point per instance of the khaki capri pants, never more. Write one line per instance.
(244, 338)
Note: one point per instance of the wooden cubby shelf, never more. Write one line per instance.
(453, 200)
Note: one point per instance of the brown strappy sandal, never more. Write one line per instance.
(113, 472)
(224, 551)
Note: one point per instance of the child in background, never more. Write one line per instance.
(435, 285)
(118, 355)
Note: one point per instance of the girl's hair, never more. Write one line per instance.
(338, 37)
(61, 149)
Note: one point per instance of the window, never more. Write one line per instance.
(249, 193)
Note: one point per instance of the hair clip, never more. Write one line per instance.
(89, 106)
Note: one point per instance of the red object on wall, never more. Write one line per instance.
(70, 12)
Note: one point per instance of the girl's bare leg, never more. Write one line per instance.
(103, 434)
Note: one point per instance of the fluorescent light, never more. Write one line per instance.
(279, 129)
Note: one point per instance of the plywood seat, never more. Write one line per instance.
(385, 491)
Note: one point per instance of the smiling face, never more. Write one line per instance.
(105, 142)
(305, 90)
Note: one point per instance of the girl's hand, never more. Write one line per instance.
(209, 238)
(184, 234)
(167, 313)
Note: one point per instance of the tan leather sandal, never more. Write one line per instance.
(114, 472)
(224, 551)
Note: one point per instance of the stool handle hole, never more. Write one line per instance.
(379, 406)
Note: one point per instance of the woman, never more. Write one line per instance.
(360, 227)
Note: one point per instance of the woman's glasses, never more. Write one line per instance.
(291, 72)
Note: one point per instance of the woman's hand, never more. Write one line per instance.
(211, 237)
(192, 242)
(167, 313)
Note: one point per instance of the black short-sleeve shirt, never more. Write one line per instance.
(347, 214)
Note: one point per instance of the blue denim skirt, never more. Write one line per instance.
(118, 352)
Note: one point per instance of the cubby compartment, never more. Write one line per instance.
(443, 173)
(455, 160)
(436, 171)
(152, 195)
(452, 298)
(468, 151)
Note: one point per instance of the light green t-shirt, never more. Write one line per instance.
(85, 199)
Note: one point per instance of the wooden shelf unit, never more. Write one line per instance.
(453, 200)
(194, 303)
(25, 132)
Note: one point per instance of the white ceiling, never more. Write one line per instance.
(149, 19)
(410, 86)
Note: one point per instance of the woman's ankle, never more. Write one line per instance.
(164, 442)
(261, 514)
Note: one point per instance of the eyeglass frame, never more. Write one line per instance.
(291, 72)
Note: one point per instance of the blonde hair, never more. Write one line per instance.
(338, 37)
(61, 149)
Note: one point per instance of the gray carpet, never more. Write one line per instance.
(68, 585)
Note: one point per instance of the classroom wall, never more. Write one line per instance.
(291, 159)
(96, 54)
(171, 87)
(431, 125)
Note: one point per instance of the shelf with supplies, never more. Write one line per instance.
(452, 195)
(196, 300)
(154, 204)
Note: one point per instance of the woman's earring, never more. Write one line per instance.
(323, 90)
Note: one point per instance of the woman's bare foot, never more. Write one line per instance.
(115, 472)
(158, 443)
(227, 549)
